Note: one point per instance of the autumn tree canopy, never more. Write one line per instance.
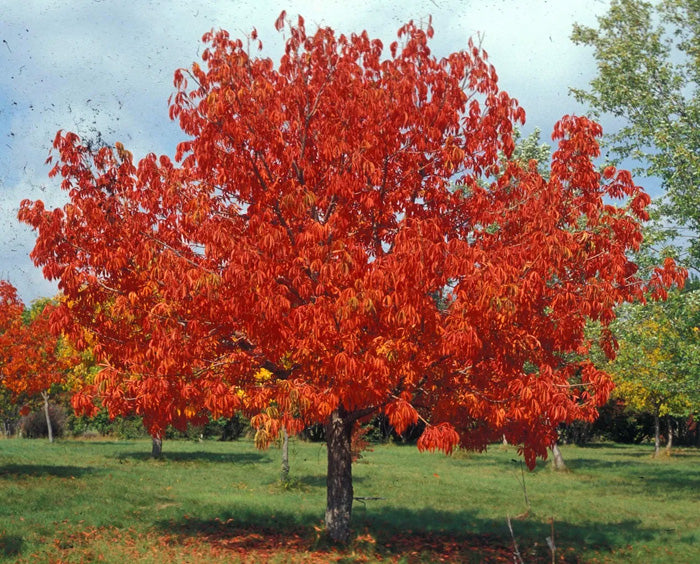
(32, 356)
(28, 360)
(350, 220)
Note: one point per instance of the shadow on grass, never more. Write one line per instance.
(655, 479)
(576, 463)
(624, 454)
(16, 471)
(609, 446)
(462, 536)
(197, 456)
(95, 442)
(319, 480)
(667, 481)
(10, 545)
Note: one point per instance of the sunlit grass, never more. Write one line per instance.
(80, 501)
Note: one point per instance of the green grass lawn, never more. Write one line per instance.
(84, 501)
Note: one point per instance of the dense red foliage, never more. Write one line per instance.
(353, 223)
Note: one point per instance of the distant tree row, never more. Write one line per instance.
(617, 422)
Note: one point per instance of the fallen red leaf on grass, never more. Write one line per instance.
(225, 541)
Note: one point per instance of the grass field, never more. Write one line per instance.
(85, 501)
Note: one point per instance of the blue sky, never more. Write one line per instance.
(107, 66)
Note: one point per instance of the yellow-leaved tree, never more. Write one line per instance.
(657, 369)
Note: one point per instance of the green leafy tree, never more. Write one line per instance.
(648, 57)
(531, 148)
(657, 369)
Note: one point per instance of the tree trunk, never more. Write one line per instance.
(284, 476)
(156, 447)
(339, 495)
(657, 434)
(669, 441)
(557, 458)
(49, 428)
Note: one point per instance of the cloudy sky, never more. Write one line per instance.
(106, 66)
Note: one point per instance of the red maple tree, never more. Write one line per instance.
(352, 222)
(32, 357)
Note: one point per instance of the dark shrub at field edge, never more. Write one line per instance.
(621, 424)
(34, 424)
(101, 424)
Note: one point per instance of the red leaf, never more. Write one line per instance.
(279, 23)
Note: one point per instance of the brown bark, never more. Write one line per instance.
(669, 441)
(49, 427)
(557, 459)
(156, 447)
(339, 495)
(657, 434)
(284, 477)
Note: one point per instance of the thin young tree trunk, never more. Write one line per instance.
(156, 446)
(557, 459)
(284, 477)
(657, 434)
(339, 494)
(49, 428)
(669, 442)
